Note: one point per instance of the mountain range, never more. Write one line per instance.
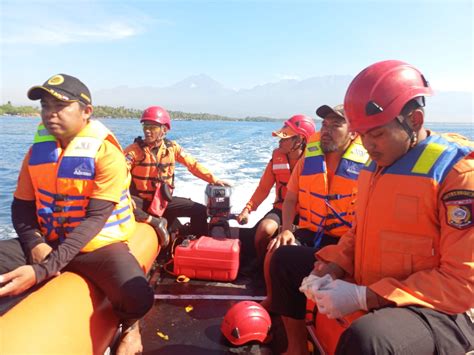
(201, 93)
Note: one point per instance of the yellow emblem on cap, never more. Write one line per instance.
(56, 80)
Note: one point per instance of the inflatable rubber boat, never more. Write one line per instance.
(69, 315)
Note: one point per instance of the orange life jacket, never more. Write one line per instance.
(63, 184)
(398, 232)
(151, 170)
(328, 208)
(282, 171)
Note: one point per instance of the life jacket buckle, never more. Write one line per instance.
(60, 197)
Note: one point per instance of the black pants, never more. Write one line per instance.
(289, 265)
(113, 269)
(178, 207)
(410, 330)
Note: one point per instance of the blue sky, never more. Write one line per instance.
(238, 43)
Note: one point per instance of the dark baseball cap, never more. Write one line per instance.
(325, 110)
(63, 87)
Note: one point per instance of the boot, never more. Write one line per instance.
(160, 225)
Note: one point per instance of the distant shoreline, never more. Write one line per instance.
(128, 113)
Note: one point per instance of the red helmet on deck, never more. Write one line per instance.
(378, 93)
(246, 321)
(157, 114)
(301, 124)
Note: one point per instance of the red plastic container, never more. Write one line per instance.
(208, 258)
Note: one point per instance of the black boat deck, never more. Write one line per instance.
(186, 317)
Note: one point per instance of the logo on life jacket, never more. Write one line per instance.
(82, 170)
(353, 169)
(83, 145)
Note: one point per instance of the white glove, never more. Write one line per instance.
(312, 283)
(340, 298)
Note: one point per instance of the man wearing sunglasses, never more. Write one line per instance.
(152, 160)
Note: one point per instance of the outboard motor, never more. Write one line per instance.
(218, 208)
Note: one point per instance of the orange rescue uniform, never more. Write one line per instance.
(413, 239)
(277, 172)
(327, 188)
(148, 169)
(62, 181)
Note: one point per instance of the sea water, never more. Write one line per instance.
(235, 151)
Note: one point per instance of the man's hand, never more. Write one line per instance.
(17, 281)
(222, 183)
(322, 268)
(313, 283)
(284, 238)
(40, 252)
(243, 217)
(340, 298)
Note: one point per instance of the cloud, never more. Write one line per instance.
(288, 77)
(69, 34)
(46, 23)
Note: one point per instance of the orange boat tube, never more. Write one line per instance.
(69, 315)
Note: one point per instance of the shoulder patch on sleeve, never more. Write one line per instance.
(459, 208)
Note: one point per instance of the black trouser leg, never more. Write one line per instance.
(185, 207)
(289, 265)
(410, 330)
(11, 257)
(141, 206)
(117, 273)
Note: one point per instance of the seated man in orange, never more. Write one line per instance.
(72, 210)
(408, 260)
(293, 137)
(152, 164)
(323, 184)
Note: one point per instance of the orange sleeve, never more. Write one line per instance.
(130, 156)
(111, 172)
(450, 286)
(24, 188)
(263, 189)
(341, 253)
(293, 184)
(192, 165)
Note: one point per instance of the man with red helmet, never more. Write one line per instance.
(408, 260)
(323, 184)
(293, 137)
(152, 163)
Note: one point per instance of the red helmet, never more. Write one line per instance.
(246, 321)
(157, 114)
(301, 124)
(379, 92)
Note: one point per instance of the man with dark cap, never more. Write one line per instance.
(324, 185)
(72, 209)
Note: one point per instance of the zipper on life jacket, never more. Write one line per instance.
(372, 183)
